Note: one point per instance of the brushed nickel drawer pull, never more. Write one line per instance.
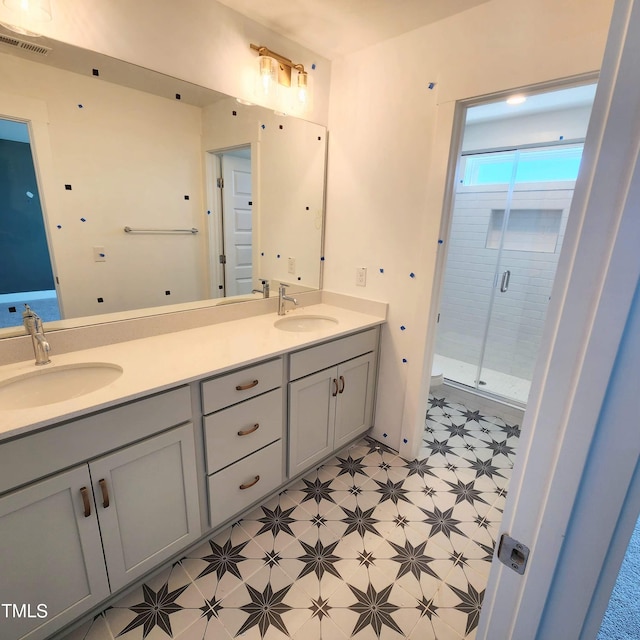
(249, 385)
(248, 485)
(335, 388)
(342, 383)
(85, 502)
(246, 432)
(105, 493)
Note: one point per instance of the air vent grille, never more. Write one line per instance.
(23, 44)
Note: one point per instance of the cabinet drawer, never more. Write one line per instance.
(34, 456)
(227, 498)
(236, 432)
(234, 387)
(302, 363)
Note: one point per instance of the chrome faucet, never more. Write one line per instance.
(265, 289)
(33, 325)
(282, 297)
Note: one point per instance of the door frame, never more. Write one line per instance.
(34, 114)
(215, 233)
(581, 401)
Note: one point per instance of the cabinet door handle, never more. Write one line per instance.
(249, 385)
(105, 493)
(335, 388)
(248, 485)
(342, 384)
(246, 432)
(85, 502)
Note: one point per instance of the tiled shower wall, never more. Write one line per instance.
(518, 315)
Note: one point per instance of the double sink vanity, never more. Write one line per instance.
(116, 459)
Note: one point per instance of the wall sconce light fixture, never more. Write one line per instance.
(29, 14)
(274, 83)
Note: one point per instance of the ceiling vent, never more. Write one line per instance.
(24, 45)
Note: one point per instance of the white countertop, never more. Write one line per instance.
(160, 362)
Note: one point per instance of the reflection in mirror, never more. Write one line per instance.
(220, 196)
(23, 239)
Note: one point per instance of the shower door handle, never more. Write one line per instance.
(506, 276)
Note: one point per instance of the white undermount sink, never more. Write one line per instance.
(305, 323)
(48, 385)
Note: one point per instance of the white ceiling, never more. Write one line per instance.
(334, 28)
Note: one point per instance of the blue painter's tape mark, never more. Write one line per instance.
(59, 226)
(322, 259)
(412, 275)
(80, 106)
(278, 256)
(263, 126)
(561, 137)
(432, 85)
(381, 270)
(262, 253)
(208, 213)
(313, 66)
(405, 440)
(440, 241)
(385, 435)
(402, 327)
(404, 360)
(83, 219)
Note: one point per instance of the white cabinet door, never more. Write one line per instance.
(51, 558)
(312, 410)
(147, 502)
(355, 398)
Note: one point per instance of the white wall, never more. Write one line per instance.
(564, 124)
(389, 146)
(198, 40)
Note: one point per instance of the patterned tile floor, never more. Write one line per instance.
(367, 546)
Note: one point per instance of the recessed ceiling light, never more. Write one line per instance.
(516, 100)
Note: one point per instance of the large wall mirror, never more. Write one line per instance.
(123, 191)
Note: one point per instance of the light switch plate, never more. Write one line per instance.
(291, 265)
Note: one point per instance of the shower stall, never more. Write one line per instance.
(509, 217)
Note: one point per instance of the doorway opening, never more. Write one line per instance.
(26, 274)
(231, 229)
(513, 188)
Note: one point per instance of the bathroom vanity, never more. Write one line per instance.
(98, 490)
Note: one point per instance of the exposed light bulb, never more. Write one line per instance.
(514, 100)
(302, 98)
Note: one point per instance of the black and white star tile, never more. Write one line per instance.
(368, 546)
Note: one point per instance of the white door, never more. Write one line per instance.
(237, 224)
(574, 493)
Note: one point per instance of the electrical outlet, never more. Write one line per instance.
(292, 265)
(99, 254)
(361, 277)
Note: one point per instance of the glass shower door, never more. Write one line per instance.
(509, 217)
(471, 266)
(529, 233)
